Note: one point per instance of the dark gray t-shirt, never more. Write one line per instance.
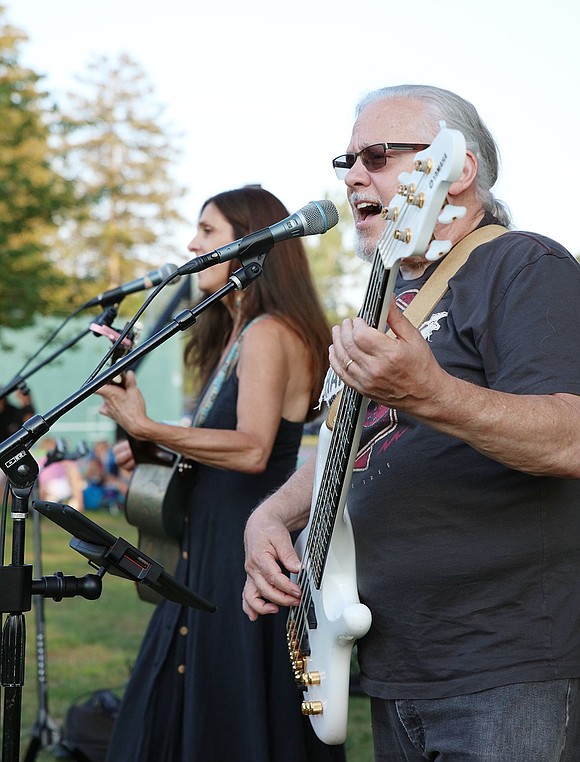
(471, 569)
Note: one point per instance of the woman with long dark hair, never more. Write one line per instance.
(215, 686)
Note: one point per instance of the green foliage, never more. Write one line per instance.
(120, 158)
(86, 198)
(340, 276)
(32, 195)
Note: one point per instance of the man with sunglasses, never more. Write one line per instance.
(466, 506)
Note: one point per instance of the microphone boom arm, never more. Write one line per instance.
(20, 379)
(15, 460)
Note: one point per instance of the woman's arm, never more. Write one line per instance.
(264, 368)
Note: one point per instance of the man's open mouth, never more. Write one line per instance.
(366, 209)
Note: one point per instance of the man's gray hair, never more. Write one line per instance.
(460, 115)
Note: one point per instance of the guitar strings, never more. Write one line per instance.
(348, 403)
(323, 518)
(325, 510)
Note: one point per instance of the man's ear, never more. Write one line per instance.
(468, 175)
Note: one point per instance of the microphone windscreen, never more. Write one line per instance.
(319, 216)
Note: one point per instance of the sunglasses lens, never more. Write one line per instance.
(374, 157)
(342, 164)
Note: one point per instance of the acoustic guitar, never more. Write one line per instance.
(156, 499)
(156, 503)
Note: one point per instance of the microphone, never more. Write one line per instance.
(114, 295)
(314, 218)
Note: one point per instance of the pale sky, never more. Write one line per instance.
(264, 91)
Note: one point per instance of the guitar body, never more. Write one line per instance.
(340, 620)
(156, 505)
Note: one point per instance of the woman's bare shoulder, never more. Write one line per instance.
(270, 327)
(271, 334)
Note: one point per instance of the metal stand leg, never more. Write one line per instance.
(45, 733)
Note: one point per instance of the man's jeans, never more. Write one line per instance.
(526, 722)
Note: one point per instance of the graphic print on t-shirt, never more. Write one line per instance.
(389, 433)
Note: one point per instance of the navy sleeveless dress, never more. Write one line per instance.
(215, 687)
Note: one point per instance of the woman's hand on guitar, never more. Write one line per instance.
(124, 455)
(124, 404)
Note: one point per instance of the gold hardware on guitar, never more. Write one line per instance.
(424, 165)
(403, 235)
(310, 678)
(312, 708)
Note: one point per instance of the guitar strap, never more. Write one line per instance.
(431, 293)
(219, 377)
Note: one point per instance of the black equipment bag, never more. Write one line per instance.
(88, 728)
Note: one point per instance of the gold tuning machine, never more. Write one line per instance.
(312, 708)
(310, 678)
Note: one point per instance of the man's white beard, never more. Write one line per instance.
(365, 247)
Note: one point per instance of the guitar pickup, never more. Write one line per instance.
(311, 617)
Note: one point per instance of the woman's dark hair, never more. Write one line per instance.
(285, 290)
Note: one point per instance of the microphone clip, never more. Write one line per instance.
(247, 274)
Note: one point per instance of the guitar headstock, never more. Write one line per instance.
(416, 208)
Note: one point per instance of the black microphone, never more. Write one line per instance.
(314, 218)
(154, 278)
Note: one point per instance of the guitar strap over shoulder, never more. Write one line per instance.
(219, 377)
(432, 292)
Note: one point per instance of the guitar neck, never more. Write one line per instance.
(331, 497)
(149, 452)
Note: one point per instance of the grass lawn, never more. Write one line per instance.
(92, 644)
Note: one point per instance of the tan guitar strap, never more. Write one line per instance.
(431, 293)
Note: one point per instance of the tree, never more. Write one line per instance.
(120, 158)
(340, 276)
(33, 197)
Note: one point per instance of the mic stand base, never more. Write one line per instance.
(45, 734)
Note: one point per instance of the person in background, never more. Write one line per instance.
(465, 496)
(60, 479)
(13, 416)
(106, 485)
(216, 686)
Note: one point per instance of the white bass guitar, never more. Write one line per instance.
(323, 628)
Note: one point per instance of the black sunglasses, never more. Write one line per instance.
(373, 157)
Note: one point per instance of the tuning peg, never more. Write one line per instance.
(437, 249)
(449, 213)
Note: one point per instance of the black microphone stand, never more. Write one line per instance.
(21, 470)
(45, 732)
(106, 318)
